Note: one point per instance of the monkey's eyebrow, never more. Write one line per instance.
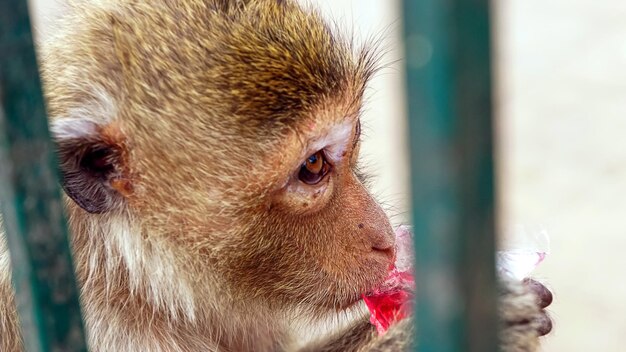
(334, 140)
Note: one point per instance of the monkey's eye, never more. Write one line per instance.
(314, 169)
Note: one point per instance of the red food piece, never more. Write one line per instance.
(392, 301)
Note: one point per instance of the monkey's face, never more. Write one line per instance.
(286, 221)
(317, 237)
(232, 144)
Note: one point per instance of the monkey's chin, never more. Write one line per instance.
(350, 295)
(353, 299)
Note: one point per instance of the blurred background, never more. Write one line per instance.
(560, 114)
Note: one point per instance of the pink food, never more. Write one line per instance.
(392, 300)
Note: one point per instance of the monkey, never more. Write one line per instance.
(209, 160)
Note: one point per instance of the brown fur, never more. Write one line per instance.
(195, 234)
(9, 330)
(206, 108)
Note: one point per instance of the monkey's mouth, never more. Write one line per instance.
(402, 262)
(400, 267)
(392, 300)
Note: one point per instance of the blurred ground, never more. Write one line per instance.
(561, 103)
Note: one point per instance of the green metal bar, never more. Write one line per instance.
(449, 101)
(46, 293)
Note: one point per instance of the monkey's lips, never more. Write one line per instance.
(393, 299)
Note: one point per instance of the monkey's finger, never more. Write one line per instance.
(544, 295)
(541, 323)
(544, 323)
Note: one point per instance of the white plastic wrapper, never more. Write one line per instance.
(404, 248)
(522, 251)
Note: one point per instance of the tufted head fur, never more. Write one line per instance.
(182, 129)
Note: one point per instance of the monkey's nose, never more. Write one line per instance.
(381, 240)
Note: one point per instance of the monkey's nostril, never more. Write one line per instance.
(386, 250)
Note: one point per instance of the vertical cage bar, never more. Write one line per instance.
(449, 100)
(34, 223)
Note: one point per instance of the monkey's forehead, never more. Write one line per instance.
(262, 63)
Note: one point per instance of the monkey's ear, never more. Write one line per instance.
(90, 157)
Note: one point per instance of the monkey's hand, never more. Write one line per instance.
(522, 310)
